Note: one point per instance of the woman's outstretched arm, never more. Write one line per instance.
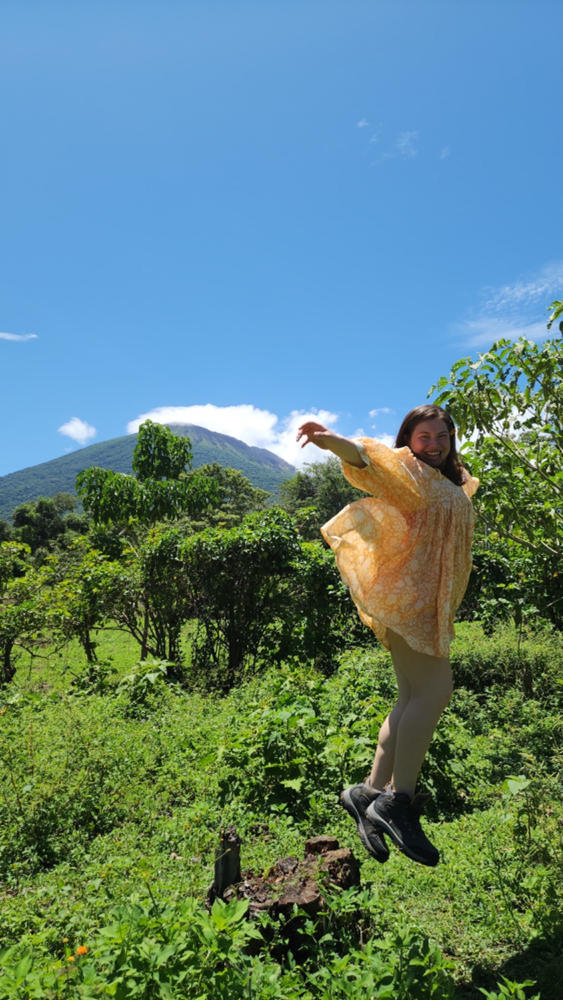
(342, 447)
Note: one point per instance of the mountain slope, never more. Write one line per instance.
(262, 467)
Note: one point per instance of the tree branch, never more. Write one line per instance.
(525, 542)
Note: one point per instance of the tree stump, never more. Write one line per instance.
(288, 884)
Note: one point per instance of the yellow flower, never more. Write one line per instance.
(71, 958)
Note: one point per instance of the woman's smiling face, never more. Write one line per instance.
(430, 442)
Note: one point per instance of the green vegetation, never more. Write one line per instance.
(114, 794)
(511, 401)
(183, 656)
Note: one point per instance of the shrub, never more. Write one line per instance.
(65, 779)
(531, 661)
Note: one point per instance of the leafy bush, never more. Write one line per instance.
(304, 739)
(181, 952)
(531, 661)
(234, 580)
(506, 989)
(323, 619)
(143, 687)
(148, 950)
(65, 780)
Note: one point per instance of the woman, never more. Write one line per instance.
(404, 553)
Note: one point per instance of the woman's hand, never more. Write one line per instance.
(315, 434)
(323, 438)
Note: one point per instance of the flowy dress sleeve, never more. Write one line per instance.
(393, 475)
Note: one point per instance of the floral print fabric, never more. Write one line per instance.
(405, 551)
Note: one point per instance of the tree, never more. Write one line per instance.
(14, 561)
(235, 495)
(84, 590)
(317, 494)
(235, 586)
(5, 531)
(161, 488)
(155, 603)
(510, 401)
(556, 311)
(324, 619)
(44, 522)
(21, 613)
(160, 454)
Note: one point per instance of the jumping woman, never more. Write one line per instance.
(404, 552)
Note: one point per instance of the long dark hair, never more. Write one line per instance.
(452, 467)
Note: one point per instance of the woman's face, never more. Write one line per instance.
(430, 442)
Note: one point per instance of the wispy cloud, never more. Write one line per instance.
(248, 423)
(539, 288)
(514, 310)
(407, 145)
(484, 331)
(18, 336)
(78, 430)
(380, 409)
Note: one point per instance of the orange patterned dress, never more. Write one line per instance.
(405, 551)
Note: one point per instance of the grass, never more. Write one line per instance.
(119, 793)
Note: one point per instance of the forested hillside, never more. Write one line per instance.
(261, 467)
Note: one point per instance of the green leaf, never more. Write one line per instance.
(293, 783)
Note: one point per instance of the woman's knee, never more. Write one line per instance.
(448, 691)
(441, 690)
(388, 730)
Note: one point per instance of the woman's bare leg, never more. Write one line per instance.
(382, 770)
(430, 688)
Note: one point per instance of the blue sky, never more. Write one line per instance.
(237, 214)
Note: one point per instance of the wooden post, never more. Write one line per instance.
(227, 862)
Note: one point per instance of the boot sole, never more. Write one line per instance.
(391, 832)
(348, 805)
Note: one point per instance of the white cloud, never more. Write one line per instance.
(256, 427)
(407, 145)
(18, 336)
(540, 288)
(388, 439)
(445, 152)
(383, 158)
(380, 409)
(513, 311)
(78, 430)
(484, 331)
(363, 123)
(245, 422)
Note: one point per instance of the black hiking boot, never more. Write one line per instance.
(395, 814)
(355, 800)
